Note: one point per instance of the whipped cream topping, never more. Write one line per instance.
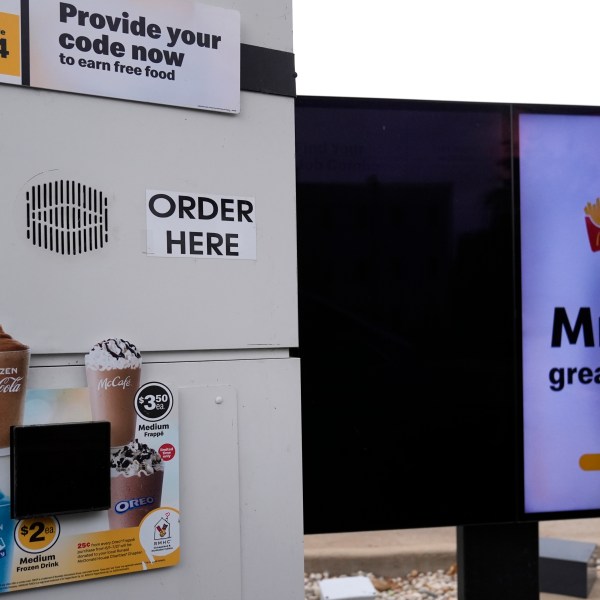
(135, 458)
(113, 353)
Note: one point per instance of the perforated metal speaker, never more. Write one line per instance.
(66, 217)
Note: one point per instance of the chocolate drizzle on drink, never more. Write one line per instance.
(118, 348)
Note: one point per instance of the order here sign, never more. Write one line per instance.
(183, 224)
(178, 53)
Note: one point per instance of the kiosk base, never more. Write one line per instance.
(498, 561)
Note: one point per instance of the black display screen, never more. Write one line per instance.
(406, 313)
(60, 469)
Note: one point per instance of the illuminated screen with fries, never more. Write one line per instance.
(559, 198)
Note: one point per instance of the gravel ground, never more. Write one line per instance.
(440, 585)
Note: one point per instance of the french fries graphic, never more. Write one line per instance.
(592, 223)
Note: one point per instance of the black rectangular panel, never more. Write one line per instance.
(59, 469)
(406, 313)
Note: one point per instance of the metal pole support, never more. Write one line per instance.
(498, 561)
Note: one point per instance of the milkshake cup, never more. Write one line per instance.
(14, 366)
(113, 369)
(137, 473)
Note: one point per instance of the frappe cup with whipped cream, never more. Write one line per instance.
(136, 480)
(113, 369)
(14, 366)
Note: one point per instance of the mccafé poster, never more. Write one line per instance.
(139, 530)
(559, 170)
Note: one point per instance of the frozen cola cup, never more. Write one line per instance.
(14, 365)
(113, 370)
(136, 481)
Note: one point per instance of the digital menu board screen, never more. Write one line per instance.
(406, 313)
(559, 207)
(449, 311)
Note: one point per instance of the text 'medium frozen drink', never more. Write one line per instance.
(14, 366)
(113, 370)
(136, 479)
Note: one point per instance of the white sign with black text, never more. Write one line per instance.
(198, 225)
(179, 53)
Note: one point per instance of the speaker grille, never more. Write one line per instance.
(66, 217)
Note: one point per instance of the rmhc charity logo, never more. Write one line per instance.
(592, 223)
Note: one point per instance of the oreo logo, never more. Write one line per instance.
(124, 505)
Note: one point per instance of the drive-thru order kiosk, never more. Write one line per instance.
(148, 300)
(447, 260)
